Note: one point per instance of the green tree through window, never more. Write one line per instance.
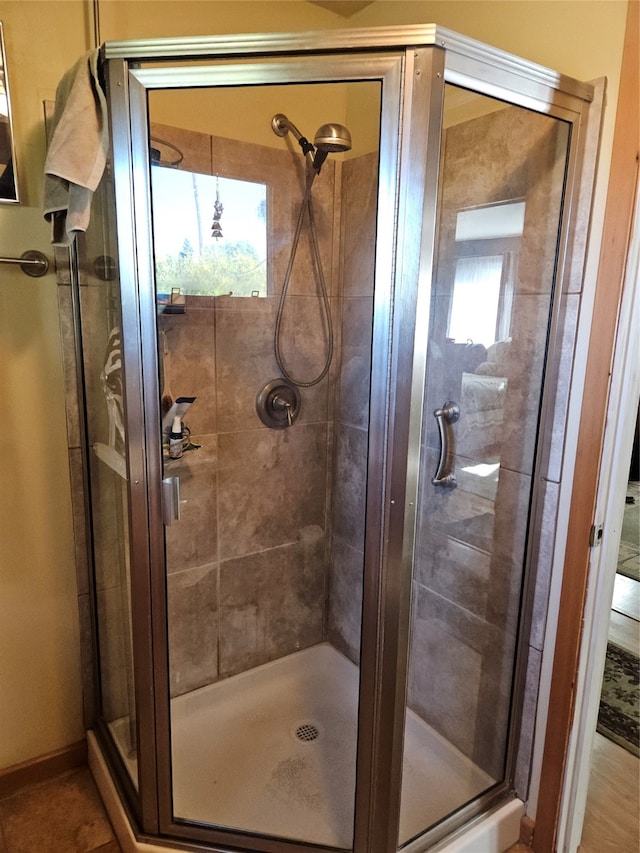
(231, 268)
(187, 255)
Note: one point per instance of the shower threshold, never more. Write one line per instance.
(273, 751)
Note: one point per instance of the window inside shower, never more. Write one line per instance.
(210, 234)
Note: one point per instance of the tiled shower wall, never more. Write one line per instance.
(359, 205)
(266, 560)
(247, 562)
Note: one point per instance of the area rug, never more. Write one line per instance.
(619, 715)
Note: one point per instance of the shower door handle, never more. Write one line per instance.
(446, 418)
(170, 500)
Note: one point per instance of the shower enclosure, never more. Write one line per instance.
(312, 599)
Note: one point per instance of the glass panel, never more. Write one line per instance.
(99, 296)
(264, 566)
(490, 309)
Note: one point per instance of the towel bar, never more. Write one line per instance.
(31, 263)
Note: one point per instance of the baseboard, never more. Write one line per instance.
(113, 805)
(19, 776)
(527, 827)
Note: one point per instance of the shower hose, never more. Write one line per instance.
(307, 206)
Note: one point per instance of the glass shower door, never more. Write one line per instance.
(500, 198)
(99, 316)
(264, 537)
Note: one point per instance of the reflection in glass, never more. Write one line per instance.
(491, 222)
(475, 300)
(492, 288)
(487, 245)
(8, 182)
(103, 379)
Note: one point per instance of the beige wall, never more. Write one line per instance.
(40, 707)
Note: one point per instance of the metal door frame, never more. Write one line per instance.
(413, 63)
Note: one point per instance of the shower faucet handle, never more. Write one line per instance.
(279, 403)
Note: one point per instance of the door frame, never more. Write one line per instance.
(614, 471)
(568, 711)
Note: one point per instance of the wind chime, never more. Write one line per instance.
(216, 230)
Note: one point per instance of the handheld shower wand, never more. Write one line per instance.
(329, 138)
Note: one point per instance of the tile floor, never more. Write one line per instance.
(65, 815)
(62, 815)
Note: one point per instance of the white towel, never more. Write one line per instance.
(77, 151)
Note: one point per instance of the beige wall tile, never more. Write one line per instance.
(271, 603)
(345, 599)
(349, 486)
(192, 599)
(190, 364)
(271, 486)
(359, 206)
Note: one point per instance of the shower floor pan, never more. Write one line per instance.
(273, 751)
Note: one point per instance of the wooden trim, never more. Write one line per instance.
(42, 768)
(527, 828)
(615, 240)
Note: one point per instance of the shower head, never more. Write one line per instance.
(329, 138)
(332, 137)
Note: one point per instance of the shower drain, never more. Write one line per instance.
(307, 732)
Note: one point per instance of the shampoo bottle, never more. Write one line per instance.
(175, 439)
